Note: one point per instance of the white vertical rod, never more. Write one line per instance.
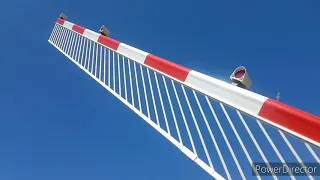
(137, 85)
(89, 55)
(96, 64)
(145, 92)
(74, 46)
(131, 87)
(161, 102)
(104, 64)
(109, 72)
(114, 72)
(172, 110)
(119, 75)
(183, 117)
(65, 39)
(70, 44)
(153, 101)
(77, 58)
(81, 50)
(100, 62)
(124, 78)
(93, 56)
(86, 57)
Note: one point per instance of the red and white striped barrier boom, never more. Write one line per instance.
(113, 65)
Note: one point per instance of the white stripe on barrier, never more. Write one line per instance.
(132, 53)
(68, 25)
(91, 35)
(244, 100)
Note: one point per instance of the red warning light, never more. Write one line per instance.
(240, 74)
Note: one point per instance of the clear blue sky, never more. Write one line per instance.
(57, 123)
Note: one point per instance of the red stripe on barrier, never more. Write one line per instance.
(78, 29)
(296, 120)
(111, 43)
(167, 67)
(60, 21)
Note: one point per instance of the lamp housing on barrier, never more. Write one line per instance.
(62, 16)
(104, 31)
(240, 78)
